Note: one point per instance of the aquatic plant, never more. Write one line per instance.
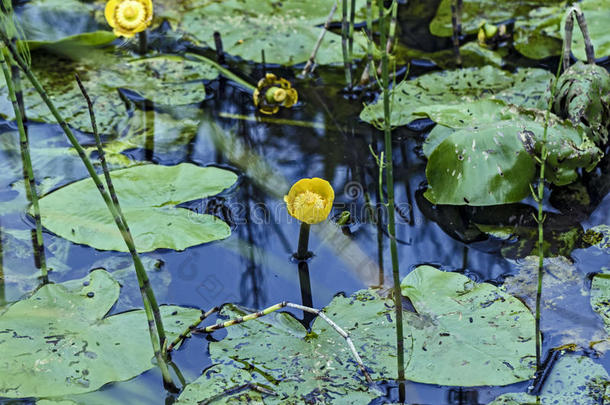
(310, 201)
(13, 84)
(129, 17)
(273, 92)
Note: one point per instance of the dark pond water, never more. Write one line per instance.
(253, 267)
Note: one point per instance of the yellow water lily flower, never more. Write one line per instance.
(310, 200)
(128, 17)
(272, 93)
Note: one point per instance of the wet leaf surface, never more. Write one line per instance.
(573, 380)
(148, 196)
(59, 342)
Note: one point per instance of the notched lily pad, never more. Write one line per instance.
(59, 342)
(148, 196)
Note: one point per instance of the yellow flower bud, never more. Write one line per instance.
(310, 200)
(128, 17)
(272, 92)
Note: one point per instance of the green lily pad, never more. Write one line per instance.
(598, 236)
(527, 88)
(463, 334)
(277, 353)
(287, 31)
(537, 35)
(600, 297)
(484, 161)
(471, 52)
(165, 80)
(148, 196)
(573, 380)
(596, 14)
(59, 342)
(476, 12)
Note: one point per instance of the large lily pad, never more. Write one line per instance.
(166, 80)
(148, 195)
(59, 342)
(277, 353)
(477, 11)
(573, 380)
(527, 88)
(484, 160)
(463, 333)
(596, 13)
(286, 30)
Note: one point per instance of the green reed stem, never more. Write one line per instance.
(541, 217)
(302, 250)
(347, 60)
(392, 29)
(29, 180)
(366, 73)
(152, 312)
(352, 19)
(385, 78)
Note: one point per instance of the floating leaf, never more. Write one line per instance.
(573, 380)
(463, 333)
(59, 342)
(277, 354)
(163, 79)
(489, 158)
(598, 236)
(526, 88)
(148, 195)
(286, 30)
(596, 14)
(476, 12)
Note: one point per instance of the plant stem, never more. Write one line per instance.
(352, 18)
(302, 250)
(143, 42)
(390, 203)
(29, 180)
(456, 11)
(152, 313)
(366, 75)
(224, 71)
(347, 60)
(309, 65)
(541, 217)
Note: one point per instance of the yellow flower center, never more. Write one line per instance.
(130, 14)
(279, 95)
(308, 200)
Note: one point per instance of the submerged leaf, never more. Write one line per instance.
(59, 342)
(573, 380)
(600, 297)
(165, 80)
(148, 196)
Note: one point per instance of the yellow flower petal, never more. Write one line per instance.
(310, 200)
(128, 17)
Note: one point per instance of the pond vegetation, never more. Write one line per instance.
(246, 201)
